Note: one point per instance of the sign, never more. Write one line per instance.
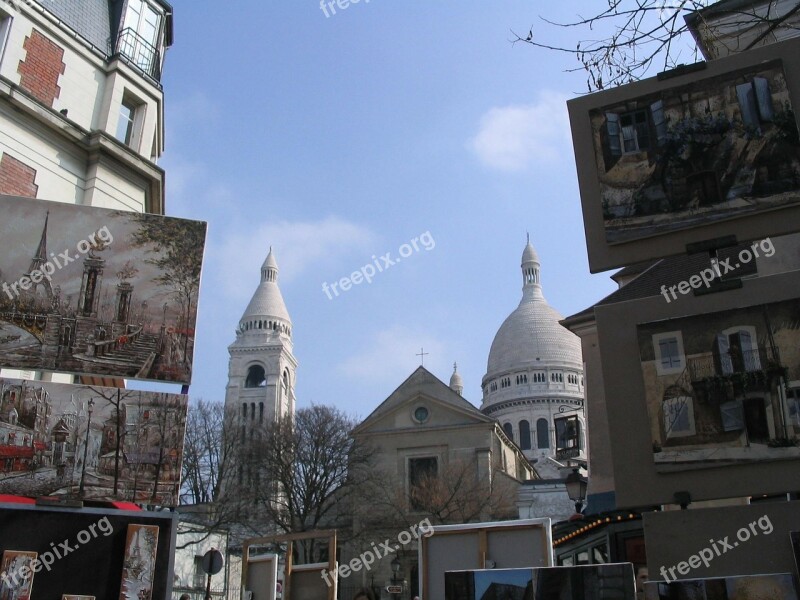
(394, 589)
(212, 562)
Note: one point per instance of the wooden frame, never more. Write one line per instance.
(290, 539)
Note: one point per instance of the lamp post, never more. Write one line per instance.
(86, 448)
(395, 571)
(576, 489)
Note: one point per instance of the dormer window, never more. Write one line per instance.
(139, 37)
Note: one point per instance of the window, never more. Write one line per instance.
(509, 429)
(678, 416)
(568, 433)
(669, 354)
(138, 40)
(736, 351)
(755, 101)
(420, 471)
(5, 26)
(256, 377)
(634, 131)
(793, 398)
(421, 414)
(199, 576)
(732, 416)
(125, 124)
(524, 435)
(542, 434)
(505, 382)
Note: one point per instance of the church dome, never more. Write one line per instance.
(267, 302)
(531, 335)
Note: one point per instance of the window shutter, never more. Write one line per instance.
(612, 128)
(659, 122)
(722, 346)
(747, 103)
(764, 99)
(731, 413)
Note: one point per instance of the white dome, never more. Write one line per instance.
(267, 301)
(530, 336)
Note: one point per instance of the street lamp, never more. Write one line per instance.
(395, 571)
(576, 489)
(90, 404)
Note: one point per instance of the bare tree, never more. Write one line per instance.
(455, 493)
(204, 451)
(311, 468)
(635, 35)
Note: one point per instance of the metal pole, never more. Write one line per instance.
(208, 587)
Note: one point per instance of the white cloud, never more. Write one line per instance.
(298, 246)
(391, 355)
(511, 138)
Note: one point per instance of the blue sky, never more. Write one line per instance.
(333, 139)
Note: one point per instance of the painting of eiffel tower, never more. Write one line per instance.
(94, 291)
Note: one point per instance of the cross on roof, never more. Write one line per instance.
(422, 354)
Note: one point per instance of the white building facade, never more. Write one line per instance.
(534, 380)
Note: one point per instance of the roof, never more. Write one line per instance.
(667, 272)
(422, 381)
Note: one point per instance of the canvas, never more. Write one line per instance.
(96, 291)
(703, 153)
(139, 566)
(90, 442)
(17, 568)
(718, 387)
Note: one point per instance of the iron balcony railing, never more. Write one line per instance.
(733, 361)
(139, 52)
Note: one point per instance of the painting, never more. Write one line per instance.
(94, 291)
(76, 597)
(590, 582)
(794, 537)
(90, 442)
(722, 388)
(17, 573)
(708, 150)
(745, 587)
(139, 566)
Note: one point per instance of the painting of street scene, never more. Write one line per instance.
(94, 291)
(88, 442)
(17, 583)
(723, 388)
(717, 148)
(139, 566)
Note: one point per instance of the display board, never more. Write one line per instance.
(91, 442)
(94, 291)
(503, 544)
(86, 552)
(262, 576)
(705, 403)
(703, 153)
(722, 541)
(589, 582)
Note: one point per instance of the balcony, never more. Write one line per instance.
(728, 374)
(139, 52)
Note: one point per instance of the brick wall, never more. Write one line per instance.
(40, 70)
(17, 178)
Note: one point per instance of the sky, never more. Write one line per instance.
(335, 138)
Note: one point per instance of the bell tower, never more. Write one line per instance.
(261, 369)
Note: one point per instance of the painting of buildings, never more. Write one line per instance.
(94, 291)
(139, 566)
(723, 388)
(715, 148)
(17, 568)
(90, 442)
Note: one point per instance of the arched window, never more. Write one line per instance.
(256, 377)
(244, 409)
(285, 385)
(524, 435)
(542, 434)
(260, 412)
(252, 410)
(509, 431)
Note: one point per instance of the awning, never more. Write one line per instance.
(16, 452)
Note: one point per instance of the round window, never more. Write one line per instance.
(421, 414)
